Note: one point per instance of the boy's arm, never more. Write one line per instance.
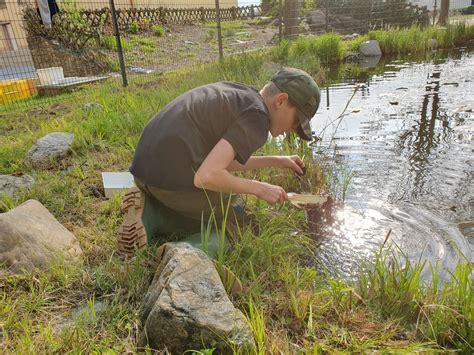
(213, 175)
(270, 161)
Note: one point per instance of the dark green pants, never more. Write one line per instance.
(196, 217)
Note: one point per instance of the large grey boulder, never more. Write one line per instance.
(370, 48)
(51, 147)
(12, 185)
(317, 18)
(186, 306)
(30, 237)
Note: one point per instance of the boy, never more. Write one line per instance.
(184, 160)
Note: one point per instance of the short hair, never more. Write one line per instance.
(270, 90)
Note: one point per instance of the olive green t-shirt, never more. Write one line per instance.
(176, 141)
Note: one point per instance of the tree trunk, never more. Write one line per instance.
(291, 18)
(443, 13)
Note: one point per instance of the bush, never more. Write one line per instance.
(468, 10)
(133, 27)
(158, 30)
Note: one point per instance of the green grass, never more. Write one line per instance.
(158, 30)
(416, 40)
(329, 48)
(110, 42)
(290, 308)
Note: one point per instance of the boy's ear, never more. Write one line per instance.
(281, 98)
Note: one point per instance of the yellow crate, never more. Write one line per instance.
(13, 90)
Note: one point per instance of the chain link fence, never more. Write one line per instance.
(49, 47)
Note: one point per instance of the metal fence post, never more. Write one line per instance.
(434, 12)
(280, 20)
(327, 15)
(219, 30)
(119, 43)
(369, 25)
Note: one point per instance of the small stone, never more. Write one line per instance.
(139, 70)
(12, 185)
(355, 110)
(51, 147)
(393, 103)
(90, 106)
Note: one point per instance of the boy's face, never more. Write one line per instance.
(284, 117)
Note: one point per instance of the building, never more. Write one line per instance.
(453, 5)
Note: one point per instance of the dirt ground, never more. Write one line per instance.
(187, 44)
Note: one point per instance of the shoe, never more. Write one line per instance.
(131, 233)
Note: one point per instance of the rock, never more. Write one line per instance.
(30, 237)
(86, 315)
(275, 22)
(370, 48)
(139, 70)
(52, 146)
(186, 306)
(350, 36)
(12, 185)
(90, 106)
(317, 18)
(306, 27)
(369, 62)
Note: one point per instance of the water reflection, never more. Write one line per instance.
(422, 139)
(410, 146)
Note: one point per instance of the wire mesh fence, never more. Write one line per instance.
(49, 47)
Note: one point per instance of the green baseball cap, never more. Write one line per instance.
(303, 92)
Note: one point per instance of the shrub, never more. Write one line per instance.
(468, 10)
(133, 27)
(158, 30)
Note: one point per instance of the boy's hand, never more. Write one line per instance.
(271, 193)
(293, 162)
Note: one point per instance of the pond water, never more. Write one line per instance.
(407, 136)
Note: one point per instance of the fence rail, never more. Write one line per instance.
(156, 36)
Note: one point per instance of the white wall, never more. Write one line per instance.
(453, 5)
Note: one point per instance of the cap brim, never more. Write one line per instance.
(304, 130)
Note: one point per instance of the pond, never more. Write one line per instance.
(407, 139)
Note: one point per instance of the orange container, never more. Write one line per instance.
(14, 90)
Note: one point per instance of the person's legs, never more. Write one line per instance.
(147, 220)
(157, 215)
